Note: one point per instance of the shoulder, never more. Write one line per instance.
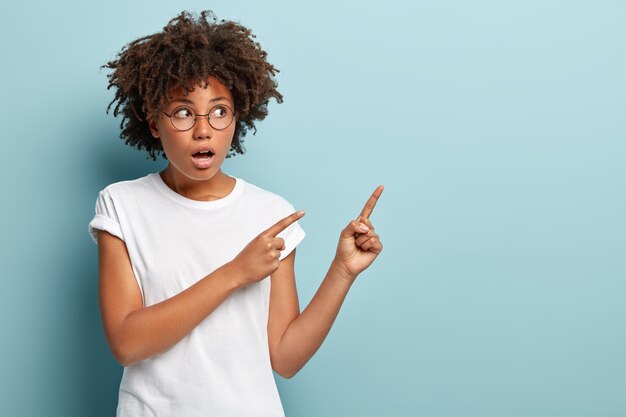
(271, 204)
(262, 195)
(267, 207)
(128, 187)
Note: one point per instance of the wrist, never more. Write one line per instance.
(232, 274)
(339, 270)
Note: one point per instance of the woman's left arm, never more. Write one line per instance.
(294, 337)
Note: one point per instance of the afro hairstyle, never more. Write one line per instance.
(189, 50)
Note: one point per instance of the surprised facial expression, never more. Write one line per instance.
(196, 149)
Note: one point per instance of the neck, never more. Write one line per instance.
(214, 188)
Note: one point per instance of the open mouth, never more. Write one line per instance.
(203, 155)
(202, 159)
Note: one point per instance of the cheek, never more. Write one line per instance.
(170, 143)
(228, 135)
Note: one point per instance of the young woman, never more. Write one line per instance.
(196, 268)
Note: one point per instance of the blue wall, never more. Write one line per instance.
(498, 129)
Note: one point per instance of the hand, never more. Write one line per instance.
(358, 244)
(261, 256)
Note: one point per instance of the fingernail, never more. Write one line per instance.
(363, 227)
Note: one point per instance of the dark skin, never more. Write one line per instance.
(184, 54)
(136, 333)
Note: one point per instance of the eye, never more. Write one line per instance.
(182, 113)
(219, 112)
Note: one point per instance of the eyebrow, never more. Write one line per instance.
(186, 100)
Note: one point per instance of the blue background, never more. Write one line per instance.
(497, 128)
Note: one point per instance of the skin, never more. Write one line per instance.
(180, 174)
(135, 333)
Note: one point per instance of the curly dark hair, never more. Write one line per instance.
(189, 50)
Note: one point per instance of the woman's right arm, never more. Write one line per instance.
(135, 333)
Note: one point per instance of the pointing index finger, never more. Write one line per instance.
(371, 202)
(284, 223)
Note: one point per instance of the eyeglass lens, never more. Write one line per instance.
(184, 117)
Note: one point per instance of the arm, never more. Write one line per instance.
(135, 333)
(293, 337)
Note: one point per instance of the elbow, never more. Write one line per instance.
(125, 361)
(124, 345)
(286, 374)
(283, 370)
(123, 355)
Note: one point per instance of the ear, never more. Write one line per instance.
(152, 124)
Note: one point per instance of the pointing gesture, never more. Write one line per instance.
(261, 256)
(283, 224)
(371, 202)
(358, 244)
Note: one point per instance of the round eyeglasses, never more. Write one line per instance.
(184, 117)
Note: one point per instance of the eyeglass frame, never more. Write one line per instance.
(196, 115)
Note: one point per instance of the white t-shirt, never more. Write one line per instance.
(222, 367)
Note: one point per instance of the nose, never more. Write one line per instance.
(202, 128)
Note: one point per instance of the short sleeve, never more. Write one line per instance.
(293, 235)
(105, 217)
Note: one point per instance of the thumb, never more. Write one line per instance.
(354, 228)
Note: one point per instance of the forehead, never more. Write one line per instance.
(202, 92)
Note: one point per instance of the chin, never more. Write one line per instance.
(203, 174)
(204, 170)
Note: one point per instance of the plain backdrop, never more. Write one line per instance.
(497, 127)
